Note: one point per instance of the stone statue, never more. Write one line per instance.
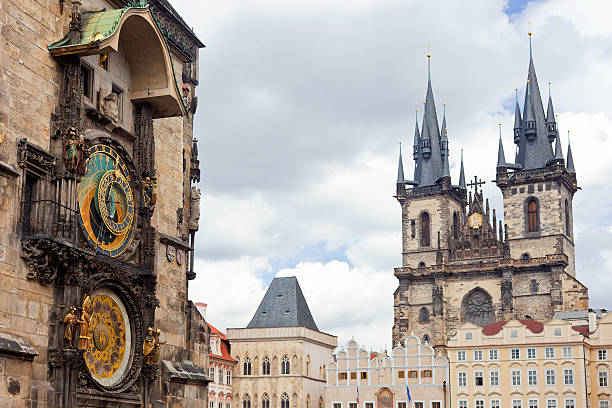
(506, 294)
(158, 345)
(186, 98)
(110, 106)
(194, 209)
(84, 323)
(70, 321)
(73, 150)
(149, 192)
(438, 304)
(148, 346)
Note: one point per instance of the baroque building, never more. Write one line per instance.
(357, 378)
(221, 365)
(459, 262)
(281, 355)
(98, 206)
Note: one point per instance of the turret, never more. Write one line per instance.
(551, 124)
(570, 159)
(518, 121)
(501, 158)
(462, 175)
(400, 168)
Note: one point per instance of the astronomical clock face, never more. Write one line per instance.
(106, 201)
(108, 352)
(475, 220)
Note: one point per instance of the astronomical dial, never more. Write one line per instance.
(106, 200)
(108, 352)
(475, 220)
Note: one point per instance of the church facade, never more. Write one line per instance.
(98, 206)
(459, 262)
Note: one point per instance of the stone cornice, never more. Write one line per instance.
(559, 260)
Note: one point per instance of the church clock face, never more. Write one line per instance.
(106, 201)
(108, 351)
(475, 220)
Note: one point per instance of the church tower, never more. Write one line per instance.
(539, 187)
(459, 262)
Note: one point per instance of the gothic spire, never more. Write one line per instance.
(444, 135)
(558, 151)
(416, 149)
(518, 120)
(432, 165)
(400, 167)
(570, 159)
(535, 148)
(462, 174)
(446, 171)
(551, 125)
(501, 158)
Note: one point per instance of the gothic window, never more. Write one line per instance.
(425, 230)
(247, 367)
(265, 366)
(265, 401)
(424, 315)
(567, 220)
(285, 365)
(525, 256)
(246, 401)
(307, 366)
(455, 225)
(421, 264)
(532, 215)
(87, 80)
(477, 307)
(284, 401)
(534, 286)
(425, 338)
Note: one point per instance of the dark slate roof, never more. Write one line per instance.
(186, 371)
(16, 346)
(283, 305)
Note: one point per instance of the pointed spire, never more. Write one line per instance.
(558, 152)
(501, 158)
(443, 135)
(462, 174)
(432, 168)
(400, 167)
(551, 125)
(446, 171)
(518, 120)
(570, 159)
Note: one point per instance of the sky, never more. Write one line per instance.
(303, 103)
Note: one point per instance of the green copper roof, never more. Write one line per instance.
(97, 26)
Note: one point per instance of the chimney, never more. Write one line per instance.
(202, 309)
(592, 320)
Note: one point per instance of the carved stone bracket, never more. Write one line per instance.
(45, 258)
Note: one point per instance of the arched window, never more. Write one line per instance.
(532, 215)
(525, 256)
(265, 366)
(246, 401)
(455, 225)
(567, 220)
(425, 233)
(477, 307)
(421, 264)
(285, 365)
(247, 367)
(284, 401)
(307, 366)
(265, 401)
(425, 338)
(320, 402)
(424, 315)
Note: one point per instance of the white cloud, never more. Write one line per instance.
(301, 107)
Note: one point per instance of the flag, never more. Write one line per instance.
(357, 395)
(408, 393)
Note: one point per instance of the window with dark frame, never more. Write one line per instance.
(425, 235)
(532, 216)
(87, 80)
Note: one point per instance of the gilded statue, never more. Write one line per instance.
(151, 346)
(84, 337)
(194, 209)
(149, 192)
(148, 346)
(70, 321)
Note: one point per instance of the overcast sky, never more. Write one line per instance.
(302, 104)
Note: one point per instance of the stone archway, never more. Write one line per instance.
(477, 307)
(384, 398)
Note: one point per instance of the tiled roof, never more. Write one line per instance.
(583, 329)
(283, 305)
(225, 349)
(186, 371)
(492, 329)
